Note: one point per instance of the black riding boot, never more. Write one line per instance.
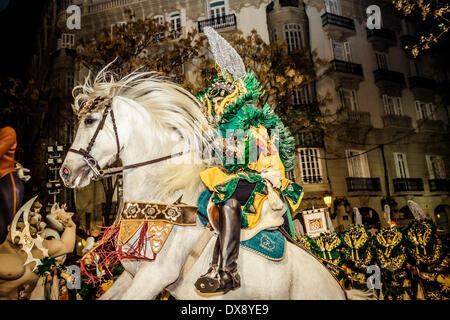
(226, 277)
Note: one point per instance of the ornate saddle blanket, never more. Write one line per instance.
(270, 244)
(153, 222)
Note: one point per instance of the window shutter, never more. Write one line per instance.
(347, 51)
(183, 17)
(385, 103)
(354, 101)
(430, 167)
(418, 110)
(398, 106)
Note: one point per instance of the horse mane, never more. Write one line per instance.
(171, 109)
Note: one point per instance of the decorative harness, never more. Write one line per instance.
(100, 173)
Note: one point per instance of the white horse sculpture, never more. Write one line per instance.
(150, 113)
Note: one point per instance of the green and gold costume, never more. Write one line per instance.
(250, 146)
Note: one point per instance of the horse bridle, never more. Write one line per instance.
(100, 173)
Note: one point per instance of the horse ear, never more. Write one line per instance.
(54, 206)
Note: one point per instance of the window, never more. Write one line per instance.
(382, 60)
(348, 99)
(424, 110)
(114, 26)
(293, 36)
(332, 6)
(392, 105)
(216, 9)
(175, 21)
(159, 19)
(301, 96)
(341, 50)
(67, 40)
(311, 170)
(436, 168)
(400, 165)
(357, 163)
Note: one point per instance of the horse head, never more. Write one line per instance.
(137, 118)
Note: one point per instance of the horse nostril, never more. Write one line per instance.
(65, 172)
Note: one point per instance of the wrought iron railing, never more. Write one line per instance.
(363, 184)
(346, 67)
(439, 184)
(382, 33)
(388, 75)
(408, 184)
(393, 120)
(330, 18)
(420, 82)
(218, 22)
(106, 5)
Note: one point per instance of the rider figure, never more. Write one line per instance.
(251, 170)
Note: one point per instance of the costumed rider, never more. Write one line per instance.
(328, 248)
(392, 260)
(427, 256)
(252, 167)
(359, 254)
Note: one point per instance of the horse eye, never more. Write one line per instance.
(89, 121)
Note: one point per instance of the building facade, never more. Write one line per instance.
(386, 139)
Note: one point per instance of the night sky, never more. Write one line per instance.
(18, 29)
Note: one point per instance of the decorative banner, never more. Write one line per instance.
(315, 221)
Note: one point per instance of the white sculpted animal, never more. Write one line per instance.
(154, 118)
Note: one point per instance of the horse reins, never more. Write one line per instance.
(99, 173)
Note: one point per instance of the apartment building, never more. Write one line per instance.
(390, 141)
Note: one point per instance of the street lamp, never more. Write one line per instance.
(327, 199)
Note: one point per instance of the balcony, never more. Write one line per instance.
(407, 184)
(422, 88)
(356, 118)
(363, 184)
(347, 74)
(337, 27)
(218, 22)
(439, 185)
(381, 39)
(107, 5)
(389, 82)
(396, 121)
(430, 125)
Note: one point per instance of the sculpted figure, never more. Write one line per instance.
(22, 250)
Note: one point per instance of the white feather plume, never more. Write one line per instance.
(224, 54)
(357, 215)
(387, 213)
(416, 210)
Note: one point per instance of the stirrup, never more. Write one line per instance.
(212, 284)
(209, 282)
